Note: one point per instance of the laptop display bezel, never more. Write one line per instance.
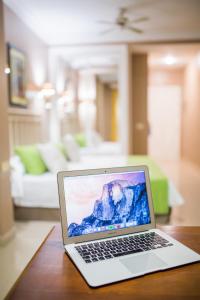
(109, 233)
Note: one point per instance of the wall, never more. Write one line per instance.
(138, 107)
(165, 76)
(104, 110)
(64, 117)
(125, 101)
(114, 116)
(100, 107)
(12, 30)
(191, 113)
(164, 115)
(108, 111)
(19, 35)
(165, 86)
(69, 109)
(6, 206)
(87, 97)
(36, 52)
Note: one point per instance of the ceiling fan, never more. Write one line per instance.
(124, 22)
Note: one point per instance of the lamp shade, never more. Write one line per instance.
(48, 90)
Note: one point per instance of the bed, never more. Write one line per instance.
(36, 197)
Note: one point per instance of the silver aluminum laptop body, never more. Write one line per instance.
(127, 189)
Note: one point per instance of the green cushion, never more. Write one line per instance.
(31, 159)
(159, 182)
(80, 139)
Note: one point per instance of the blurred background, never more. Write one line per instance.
(88, 84)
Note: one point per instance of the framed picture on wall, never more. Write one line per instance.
(17, 77)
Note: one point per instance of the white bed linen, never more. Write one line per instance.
(105, 148)
(41, 191)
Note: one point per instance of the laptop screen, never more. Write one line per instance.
(98, 203)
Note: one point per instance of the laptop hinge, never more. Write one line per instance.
(108, 237)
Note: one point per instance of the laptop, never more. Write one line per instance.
(108, 225)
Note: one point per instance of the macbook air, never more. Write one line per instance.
(109, 228)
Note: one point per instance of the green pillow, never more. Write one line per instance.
(81, 140)
(31, 159)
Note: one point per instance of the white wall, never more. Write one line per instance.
(191, 112)
(164, 115)
(35, 50)
(57, 76)
(18, 34)
(123, 56)
(124, 90)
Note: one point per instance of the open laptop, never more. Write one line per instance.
(108, 225)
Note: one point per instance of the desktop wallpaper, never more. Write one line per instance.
(97, 203)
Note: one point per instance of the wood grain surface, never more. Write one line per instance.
(52, 275)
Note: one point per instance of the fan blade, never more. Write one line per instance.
(122, 11)
(137, 30)
(140, 19)
(107, 31)
(105, 22)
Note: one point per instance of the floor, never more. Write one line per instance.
(186, 178)
(17, 253)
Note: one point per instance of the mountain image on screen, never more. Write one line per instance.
(120, 202)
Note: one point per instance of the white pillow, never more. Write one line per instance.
(93, 138)
(17, 165)
(52, 157)
(71, 147)
(97, 139)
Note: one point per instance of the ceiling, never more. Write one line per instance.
(67, 22)
(105, 59)
(101, 60)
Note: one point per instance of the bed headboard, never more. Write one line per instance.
(24, 128)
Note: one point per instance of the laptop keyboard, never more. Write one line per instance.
(98, 251)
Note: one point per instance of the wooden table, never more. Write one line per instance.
(52, 275)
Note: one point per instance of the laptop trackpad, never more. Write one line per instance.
(143, 263)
